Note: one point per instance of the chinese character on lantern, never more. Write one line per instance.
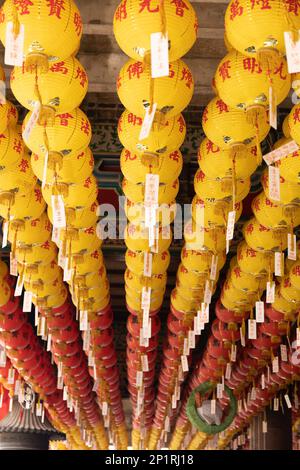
(174, 156)
(59, 67)
(135, 70)
(292, 6)
(55, 7)
(264, 4)
(236, 10)
(87, 182)
(23, 165)
(252, 65)
(121, 13)
(129, 156)
(296, 115)
(224, 70)
(187, 76)
(180, 7)
(78, 23)
(90, 231)
(279, 71)
(22, 6)
(38, 195)
(148, 4)
(64, 119)
(181, 122)
(85, 126)
(18, 146)
(82, 76)
(211, 147)
(222, 107)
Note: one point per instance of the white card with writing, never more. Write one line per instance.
(252, 329)
(27, 302)
(148, 122)
(272, 109)
(4, 233)
(274, 183)
(278, 260)
(260, 312)
(292, 247)
(230, 225)
(292, 49)
(32, 120)
(148, 261)
(14, 45)
(159, 55)
(58, 210)
(270, 296)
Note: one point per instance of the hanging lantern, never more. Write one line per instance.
(289, 191)
(31, 205)
(274, 215)
(286, 127)
(76, 240)
(218, 163)
(213, 190)
(74, 195)
(261, 238)
(178, 19)
(289, 167)
(20, 180)
(198, 237)
(11, 149)
(31, 231)
(244, 84)
(229, 128)
(201, 261)
(79, 217)
(257, 29)
(168, 166)
(214, 214)
(245, 281)
(42, 253)
(41, 21)
(59, 91)
(165, 137)
(69, 135)
(289, 292)
(135, 213)
(137, 238)
(63, 169)
(283, 306)
(46, 273)
(156, 282)
(135, 262)
(136, 192)
(12, 114)
(137, 91)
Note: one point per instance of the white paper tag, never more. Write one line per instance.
(219, 391)
(274, 183)
(27, 302)
(197, 329)
(68, 275)
(252, 329)
(213, 406)
(13, 265)
(150, 216)
(2, 92)
(146, 298)
(159, 55)
(144, 342)
(148, 122)
(39, 409)
(19, 287)
(32, 120)
(58, 210)
(298, 337)
(147, 329)
(260, 312)
(104, 408)
(60, 383)
(4, 233)
(281, 152)
(10, 406)
(45, 169)
(11, 376)
(36, 315)
(14, 45)
(270, 297)
(283, 353)
(214, 268)
(41, 326)
(56, 235)
(151, 190)
(227, 246)
(272, 109)
(276, 404)
(228, 371)
(243, 339)
(230, 225)
(145, 363)
(292, 247)
(186, 349)
(207, 293)
(2, 358)
(288, 401)
(278, 260)
(233, 353)
(174, 402)
(263, 381)
(184, 364)
(203, 314)
(192, 340)
(292, 53)
(49, 342)
(148, 261)
(139, 378)
(83, 316)
(275, 365)
(264, 427)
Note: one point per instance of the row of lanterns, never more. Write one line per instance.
(248, 82)
(151, 163)
(58, 133)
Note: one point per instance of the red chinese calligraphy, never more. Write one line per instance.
(180, 6)
(82, 76)
(211, 147)
(135, 70)
(46, 246)
(129, 156)
(59, 67)
(146, 4)
(38, 195)
(187, 77)
(135, 120)
(174, 156)
(237, 272)
(18, 146)
(78, 23)
(279, 71)
(251, 64)
(292, 6)
(85, 126)
(249, 228)
(263, 4)
(205, 116)
(95, 255)
(296, 115)
(90, 231)
(64, 119)
(224, 70)
(236, 10)
(23, 165)
(121, 13)
(87, 182)
(222, 107)
(200, 176)
(23, 6)
(56, 7)
(181, 122)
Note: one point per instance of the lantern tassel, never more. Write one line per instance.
(268, 58)
(37, 61)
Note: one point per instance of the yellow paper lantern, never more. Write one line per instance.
(93, 305)
(228, 127)
(85, 293)
(135, 262)
(60, 90)
(51, 301)
(295, 275)
(245, 281)
(88, 262)
(74, 195)
(76, 240)
(290, 167)
(191, 279)
(165, 137)
(201, 261)
(42, 253)
(135, 213)
(11, 149)
(218, 163)
(42, 289)
(289, 309)
(134, 301)
(286, 127)
(12, 114)
(214, 214)
(181, 304)
(63, 169)
(136, 192)
(137, 238)
(262, 238)
(257, 29)
(156, 282)
(42, 22)
(70, 134)
(289, 292)
(199, 237)
(5, 293)
(28, 206)
(289, 191)
(172, 94)
(213, 190)
(89, 280)
(148, 16)
(79, 217)
(21, 179)
(31, 231)
(46, 273)
(244, 84)
(274, 215)
(168, 166)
